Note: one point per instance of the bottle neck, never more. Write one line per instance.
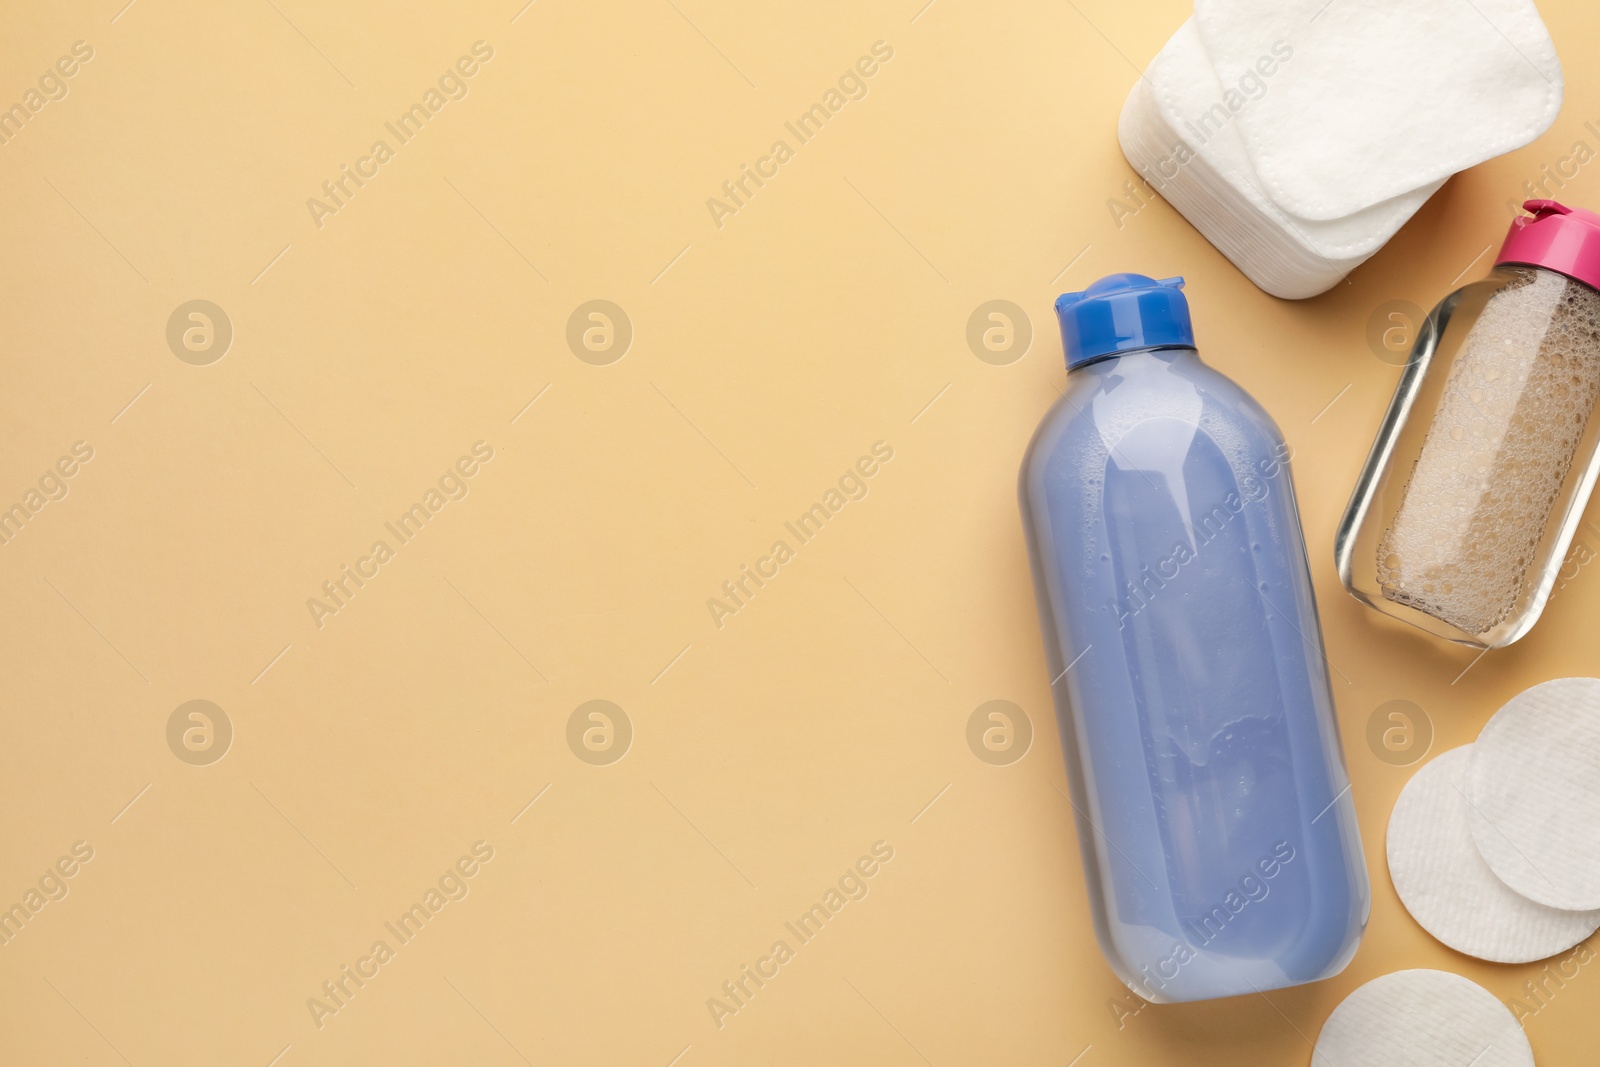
(1166, 353)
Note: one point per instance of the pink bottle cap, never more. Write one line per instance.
(1558, 238)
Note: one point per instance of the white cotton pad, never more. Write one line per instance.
(1534, 785)
(1449, 889)
(1421, 1019)
(1379, 97)
(1179, 131)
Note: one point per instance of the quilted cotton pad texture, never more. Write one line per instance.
(1178, 129)
(1421, 1019)
(1194, 105)
(1382, 96)
(1274, 260)
(1534, 784)
(1449, 889)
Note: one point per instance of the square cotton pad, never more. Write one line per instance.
(1179, 129)
(1380, 97)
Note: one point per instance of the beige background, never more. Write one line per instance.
(768, 354)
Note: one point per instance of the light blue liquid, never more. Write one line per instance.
(1214, 814)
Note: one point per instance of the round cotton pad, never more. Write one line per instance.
(1421, 1019)
(1450, 890)
(1534, 785)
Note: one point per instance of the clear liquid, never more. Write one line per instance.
(1469, 499)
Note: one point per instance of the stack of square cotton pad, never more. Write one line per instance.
(1494, 847)
(1299, 135)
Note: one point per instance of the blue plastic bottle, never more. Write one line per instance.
(1214, 814)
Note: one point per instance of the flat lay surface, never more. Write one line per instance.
(509, 530)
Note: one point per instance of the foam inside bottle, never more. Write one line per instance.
(1514, 408)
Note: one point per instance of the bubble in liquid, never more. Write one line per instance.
(1513, 411)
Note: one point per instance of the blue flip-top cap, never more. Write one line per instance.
(1121, 313)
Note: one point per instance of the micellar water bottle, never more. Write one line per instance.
(1478, 478)
(1213, 809)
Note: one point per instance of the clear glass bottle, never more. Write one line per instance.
(1218, 836)
(1486, 458)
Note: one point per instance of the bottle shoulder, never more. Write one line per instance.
(1103, 404)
